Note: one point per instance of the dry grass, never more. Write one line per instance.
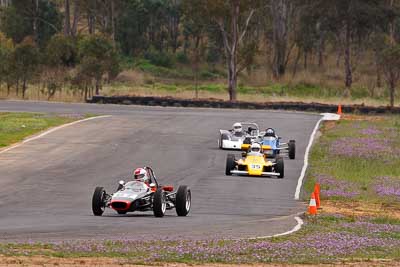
(357, 209)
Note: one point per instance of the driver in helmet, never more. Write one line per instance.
(255, 150)
(237, 129)
(270, 133)
(140, 174)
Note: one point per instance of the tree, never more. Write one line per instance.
(97, 57)
(390, 62)
(352, 21)
(23, 18)
(233, 18)
(6, 50)
(26, 60)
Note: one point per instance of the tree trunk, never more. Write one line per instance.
(23, 88)
(86, 92)
(74, 28)
(112, 19)
(347, 59)
(296, 63)
(92, 17)
(98, 85)
(35, 20)
(280, 11)
(305, 60)
(392, 88)
(17, 87)
(67, 18)
(321, 49)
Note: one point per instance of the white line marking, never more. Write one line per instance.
(300, 222)
(325, 117)
(51, 131)
(297, 227)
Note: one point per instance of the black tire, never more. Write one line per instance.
(247, 141)
(159, 203)
(121, 212)
(292, 149)
(183, 200)
(98, 205)
(230, 164)
(280, 167)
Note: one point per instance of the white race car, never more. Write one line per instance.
(241, 133)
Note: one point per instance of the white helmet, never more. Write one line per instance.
(270, 132)
(140, 174)
(255, 148)
(237, 127)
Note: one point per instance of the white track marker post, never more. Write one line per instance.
(51, 131)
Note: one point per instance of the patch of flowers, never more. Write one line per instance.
(327, 246)
(362, 147)
(331, 187)
(372, 227)
(387, 186)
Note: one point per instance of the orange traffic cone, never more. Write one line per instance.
(339, 110)
(316, 192)
(312, 207)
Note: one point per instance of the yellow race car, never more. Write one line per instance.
(255, 161)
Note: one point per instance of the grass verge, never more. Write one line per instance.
(324, 239)
(14, 127)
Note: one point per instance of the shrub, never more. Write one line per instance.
(182, 58)
(159, 58)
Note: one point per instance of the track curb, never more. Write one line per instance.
(215, 103)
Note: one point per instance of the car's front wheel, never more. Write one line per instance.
(183, 200)
(98, 201)
(230, 164)
(279, 167)
(292, 149)
(159, 203)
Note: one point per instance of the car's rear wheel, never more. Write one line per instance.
(159, 203)
(292, 149)
(98, 201)
(230, 164)
(183, 200)
(121, 212)
(279, 167)
(247, 141)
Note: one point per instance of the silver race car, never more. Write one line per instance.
(241, 133)
(140, 196)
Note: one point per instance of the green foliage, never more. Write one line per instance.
(25, 61)
(182, 58)
(17, 20)
(159, 58)
(62, 50)
(14, 25)
(158, 71)
(6, 50)
(50, 21)
(98, 56)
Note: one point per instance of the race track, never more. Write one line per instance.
(46, 185)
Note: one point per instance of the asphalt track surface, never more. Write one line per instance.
(46, 185)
